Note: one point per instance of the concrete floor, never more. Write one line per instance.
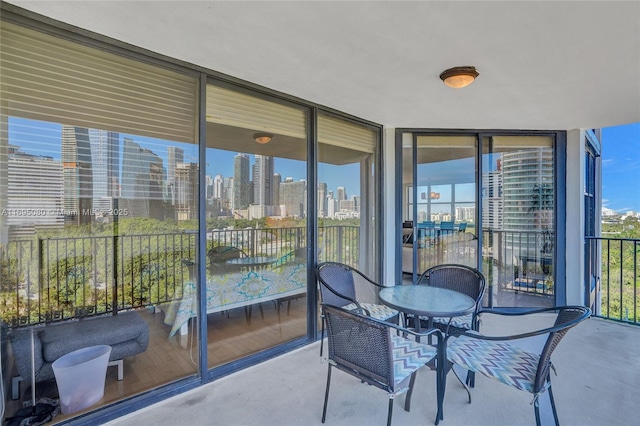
(598, 382)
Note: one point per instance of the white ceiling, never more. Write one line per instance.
(543, 65)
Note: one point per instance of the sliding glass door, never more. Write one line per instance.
(440, 202)
(486, 200)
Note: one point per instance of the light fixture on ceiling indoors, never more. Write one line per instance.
(262, 138)
(459, 77)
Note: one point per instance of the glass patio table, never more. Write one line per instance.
(251, 262)
(431, 302)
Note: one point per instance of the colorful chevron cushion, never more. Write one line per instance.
(497, 360)
(408, 356)
(379, 312)
(459, 322)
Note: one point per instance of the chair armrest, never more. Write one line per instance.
(547, 330)
(425, 333)
(518, 312)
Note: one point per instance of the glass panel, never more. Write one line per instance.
(407, 251)
(346, 206)
(518, 206)
(446, 204)
(93, 237)
(93, 233)
(256, 224)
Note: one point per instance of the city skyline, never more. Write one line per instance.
(44, 139)
(620, 159)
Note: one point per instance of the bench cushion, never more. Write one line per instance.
(59, 340)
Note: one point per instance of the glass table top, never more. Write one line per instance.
(426, 300)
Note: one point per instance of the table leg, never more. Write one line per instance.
(442, 377)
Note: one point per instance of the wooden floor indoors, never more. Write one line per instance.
(231, 335)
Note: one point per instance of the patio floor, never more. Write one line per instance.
(598, 365)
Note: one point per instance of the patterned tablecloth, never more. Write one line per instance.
(239, 289)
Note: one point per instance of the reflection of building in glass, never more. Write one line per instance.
(175, 156)
(262, 176)
(332, 205)
(143, 177)
(241, 184)
(105, 155)
(217, 190)
(525, 175)
(186, 184)
(322, 199)
(293, 197)
(78, 175)
(227, 194)
(465, 214)
(35, 193)
(275, 189)
(208, 187)
(492, 199)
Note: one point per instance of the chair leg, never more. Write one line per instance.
(407, 399)
(322, 336)
(390, 411)
(536, 410)
(326, 394)
(471, 379)
(553, 406)
(464, 383)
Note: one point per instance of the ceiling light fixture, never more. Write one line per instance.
(262, 138)
(459, 77)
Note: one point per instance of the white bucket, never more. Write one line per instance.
(80, 376)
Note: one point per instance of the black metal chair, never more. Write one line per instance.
(338, 288)
(463, 279)
(367, 349)
(503, 359)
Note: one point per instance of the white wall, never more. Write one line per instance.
(575, 217)
(389, 206)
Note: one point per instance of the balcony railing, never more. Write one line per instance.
(619, 281)
(54, 279)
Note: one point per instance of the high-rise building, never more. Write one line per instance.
(293, 197)
(241, 184)
(262, 177)
(341, 194)
(331, 205)
(208, 185)
(492, 199)
(275, 189)
(105, 155)
(527, 185)
(218, 192)
(143, 177)
(227, 195)
(186, 184)
(322, 199)
(78, 175)
(175, 156)
(35, 184)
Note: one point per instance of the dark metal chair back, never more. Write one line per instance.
(461, 278)
(360, 346)
(337, 286)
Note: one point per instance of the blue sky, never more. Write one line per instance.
(621, 168)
